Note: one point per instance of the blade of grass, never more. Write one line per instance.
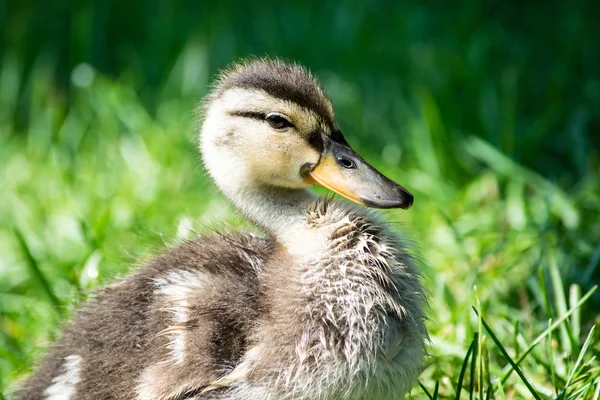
(551, 355)
(583, 351)
(581, 393)
(597, 391)
(473, 364)
(479, 346)
(543, 335)
(544, 289)
(486, 364)
(436, 390)
(425, 390)
(574, 296)
(566, 336)
(515, 337)
(508, 358)
(34, 269)
(500, 389)
(591, 385)
(463, 369)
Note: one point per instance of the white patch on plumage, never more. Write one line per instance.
(252, 258)
(63, 386)
(145, 389)
(150, 385)
(177, 286)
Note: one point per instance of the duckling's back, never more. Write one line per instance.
(166, 326)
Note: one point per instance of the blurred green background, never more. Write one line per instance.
(488, 111)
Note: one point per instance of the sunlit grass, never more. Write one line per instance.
(98, 184)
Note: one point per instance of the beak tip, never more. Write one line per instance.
(401, 199)
(408, 202)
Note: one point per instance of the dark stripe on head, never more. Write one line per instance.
(284, 81)
(249, 114)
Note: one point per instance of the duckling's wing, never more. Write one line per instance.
(175, 325)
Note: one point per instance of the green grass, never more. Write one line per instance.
(93, 185)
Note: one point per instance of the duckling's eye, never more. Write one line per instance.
(278, 122)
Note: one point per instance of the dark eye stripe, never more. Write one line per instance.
(314, 139)
(248, 114)
(276, 121)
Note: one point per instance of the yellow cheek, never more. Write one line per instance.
(282, 168)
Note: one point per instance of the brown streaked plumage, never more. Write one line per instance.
(327, 306)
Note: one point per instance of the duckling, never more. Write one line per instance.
(328, 305)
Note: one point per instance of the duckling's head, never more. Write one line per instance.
(269, 124)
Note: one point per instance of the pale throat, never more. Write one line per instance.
(284, 213)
